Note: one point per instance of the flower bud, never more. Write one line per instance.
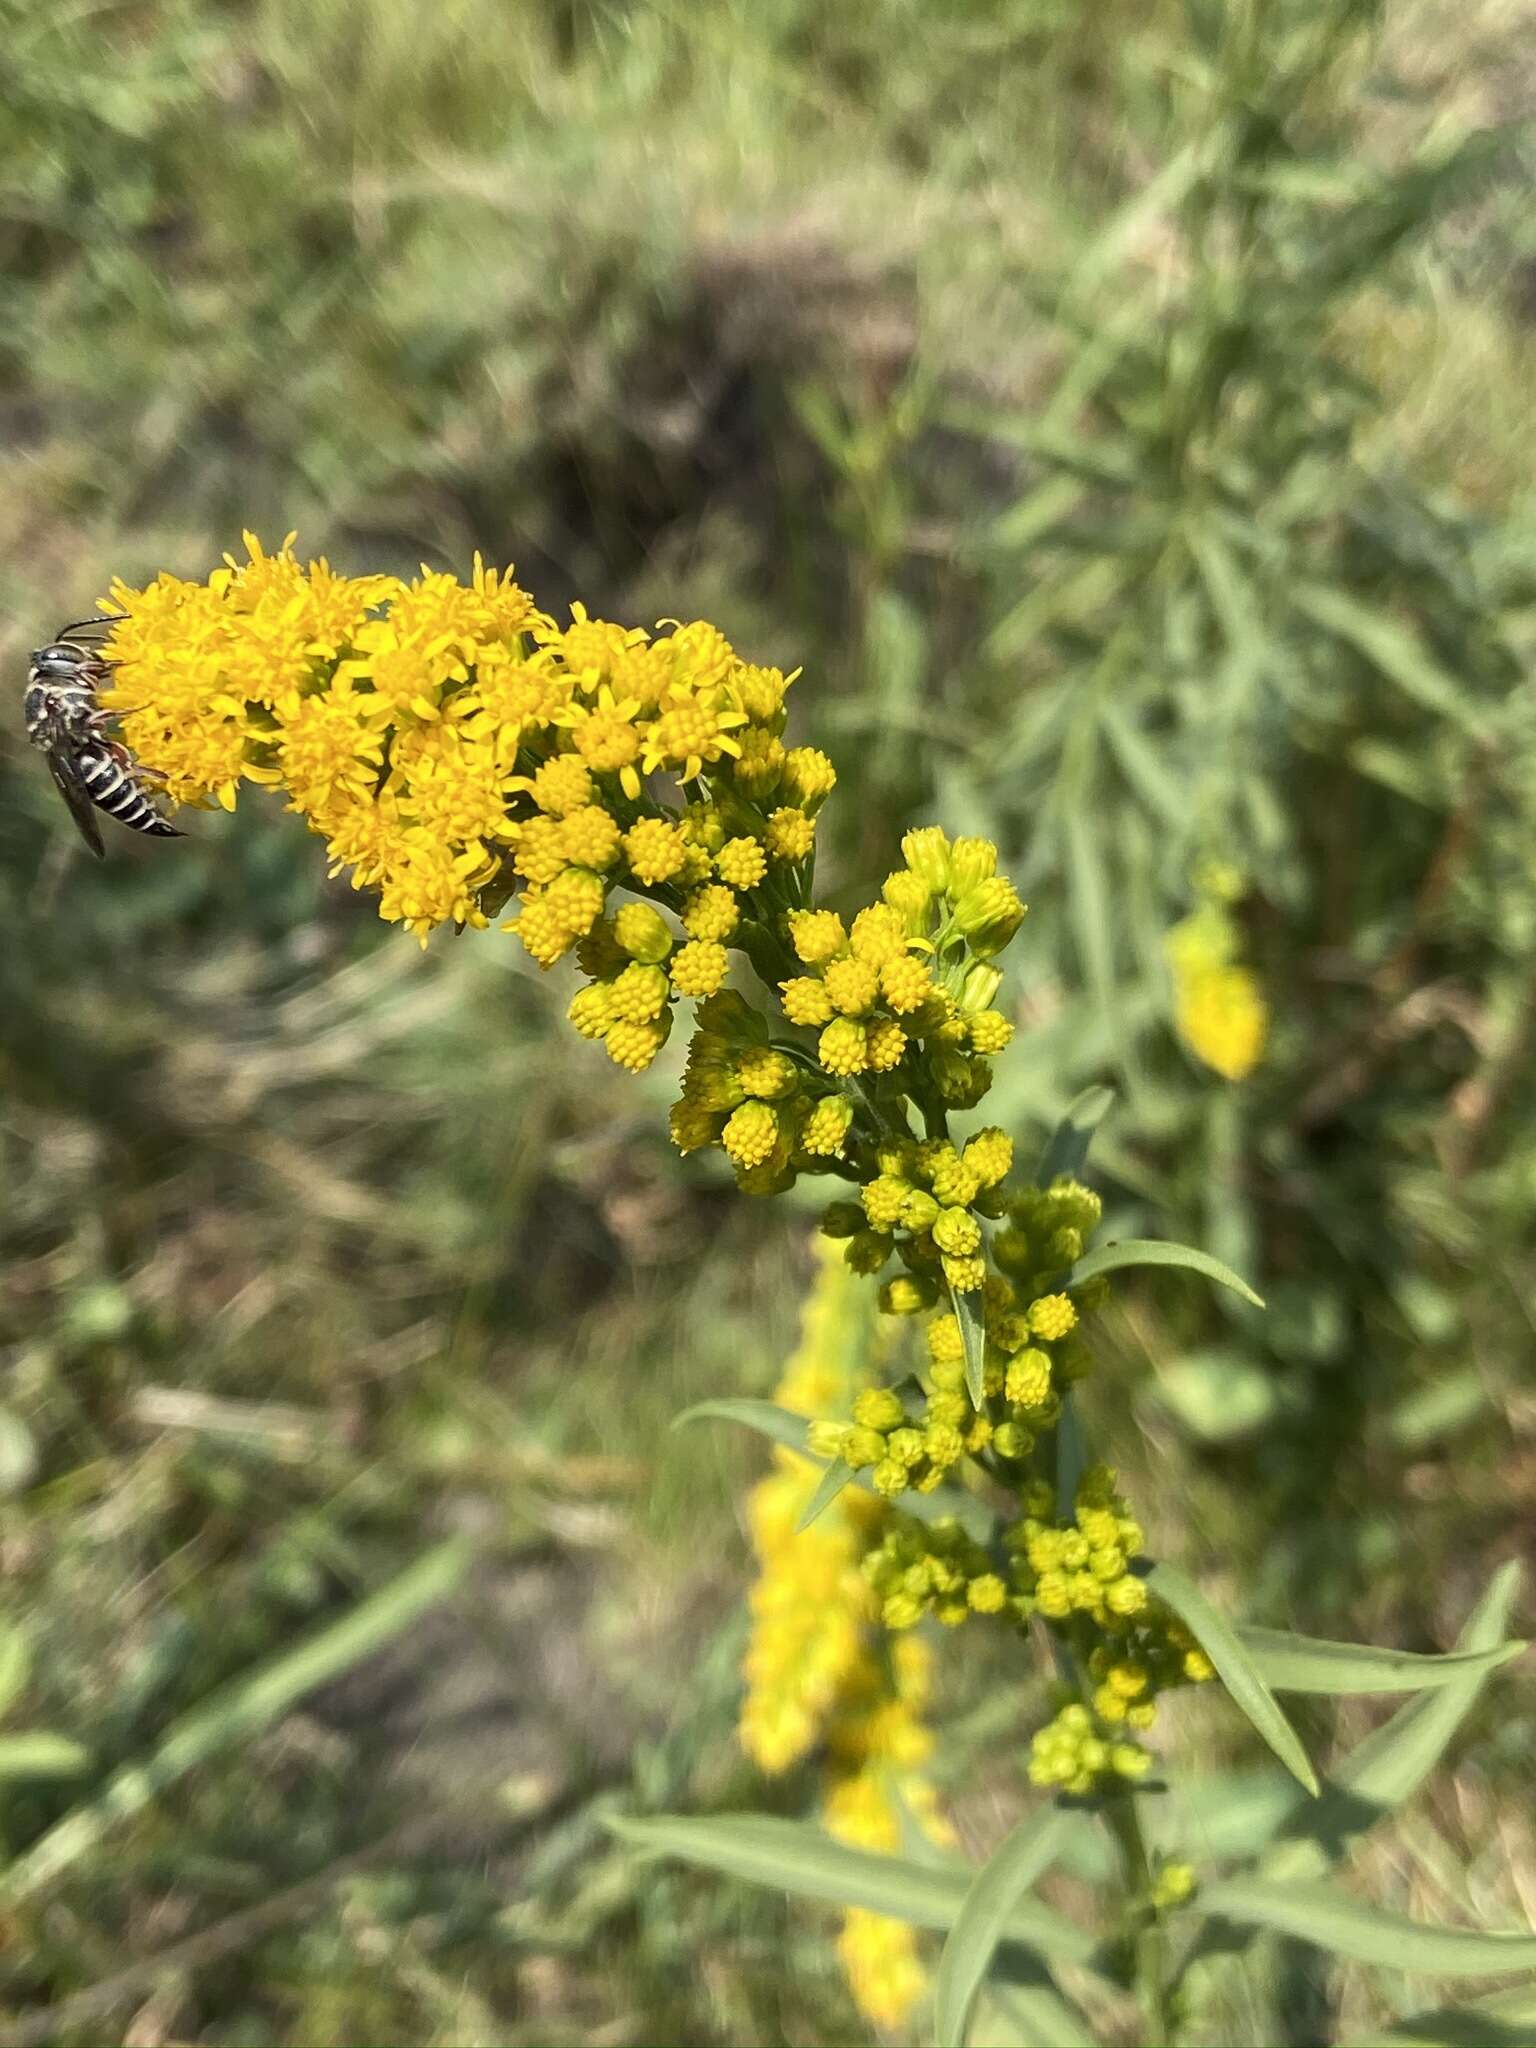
(971, 861)
(926, 853)
(642, 933)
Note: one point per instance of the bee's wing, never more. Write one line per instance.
(67, 779)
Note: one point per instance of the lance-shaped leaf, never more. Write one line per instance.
(1236, 1669)
(1331, 1919)
(1505, 2019)
(780, 1425)
(793, 1856)
(41, 1755)
(828, 1487)
(973, 1338)
(1037, 2010)
(1027, 1851)
(1151, 1251)
(783, 1426)
(1310, 1664)
(1066, 1150)
(1388, 1767)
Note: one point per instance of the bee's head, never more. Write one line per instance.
(58, 661)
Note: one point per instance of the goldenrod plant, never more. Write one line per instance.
(627, 799)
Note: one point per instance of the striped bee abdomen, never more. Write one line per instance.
(114, 791)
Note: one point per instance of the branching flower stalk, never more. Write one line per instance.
(628, 799)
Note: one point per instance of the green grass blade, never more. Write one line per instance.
(794, 1856)
(828, 1487)
(1388, 1767)
(974, 1339)
(1391, 649)
(37, 1754)
(1505, 2019)
(1066, 1150)
(1331, 1919)
(238, 1709)
(1309, 1664)
(781, 1425)
(15, 1665)
(1234, 1666)
(1038, 2012)
(1148, 1251)
(1026, 1852)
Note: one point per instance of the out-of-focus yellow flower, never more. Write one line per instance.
(815, 1665)
(1218, 1008)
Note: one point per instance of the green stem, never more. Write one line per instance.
(1123, 1819)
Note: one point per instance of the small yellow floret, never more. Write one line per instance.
(884, 1043)
(656, 851)
(790, 835)
(841, 1048)
(741, 863)
(711, 913)
(817, 935)
(851, 987)
(699, 968)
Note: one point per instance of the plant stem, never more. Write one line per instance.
(1123, 1819)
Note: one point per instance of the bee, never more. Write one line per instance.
(66, 720)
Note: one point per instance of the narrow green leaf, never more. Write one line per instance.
(1308, 1664)
(793, 1856)
(1392, 648)
(1234, 1666)
(1505, 2019)
(1388, 1767)
(974, 1339)
(1088, 899)
(40, 1755)
(1335, 1920)
(1148, 1251)
(1066, 1151)
(1027, 1851)
(782, 1425)
(1142, 766)
(237, 1710)
(1041, 2016)
(828, 1487)
(1071, 1457)
(15, 1664)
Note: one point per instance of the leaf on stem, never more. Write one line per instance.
(1067, 1150)
(796, 1857)
(781, 1425)
(1028, 1851)
(973, 1338)
(828, 1487)
(1234, 1666)
(1149, 1251)
(1309, 1664)
(1335, 1920)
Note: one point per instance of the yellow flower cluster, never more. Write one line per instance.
(456, 749)
(813, 1664)
(1220, 1013)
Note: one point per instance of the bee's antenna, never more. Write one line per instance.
(97, 625)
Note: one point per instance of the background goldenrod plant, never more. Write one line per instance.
(1124, 418)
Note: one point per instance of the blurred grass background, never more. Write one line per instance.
(1124, 414)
